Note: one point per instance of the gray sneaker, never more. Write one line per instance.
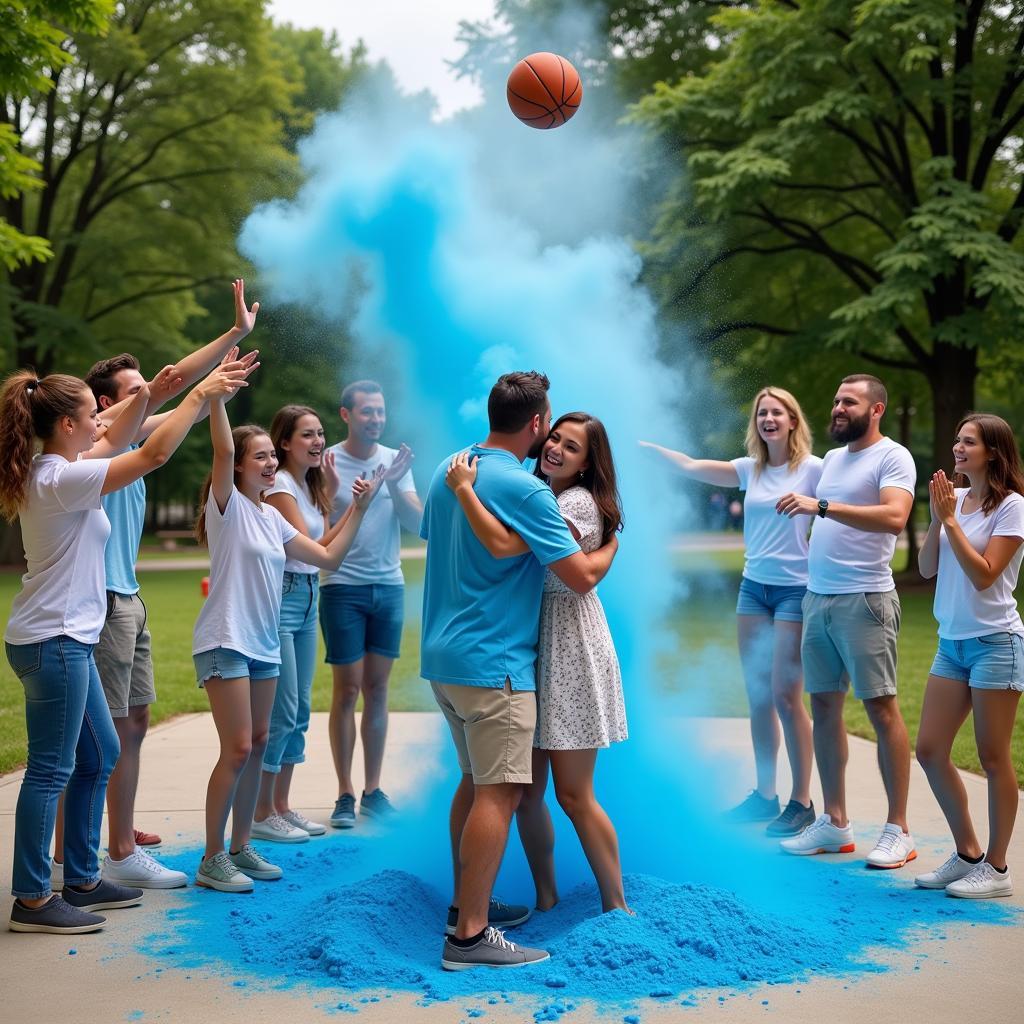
(500, 915)
(376, 805)
(219, 872)
(106, 896)
(56, 916)
(344, 815)
(249, 860)
(793, 820)
(493, 950)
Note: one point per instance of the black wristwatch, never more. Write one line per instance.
(822, 507)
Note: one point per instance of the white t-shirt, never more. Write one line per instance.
(962, 611)
(246, 573)
(64, 530)
(374, 556)
(311, 515)
(842, 559)
(776, 546)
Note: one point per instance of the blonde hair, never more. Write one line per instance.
(799, 441)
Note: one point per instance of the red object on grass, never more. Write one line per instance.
(204, 586)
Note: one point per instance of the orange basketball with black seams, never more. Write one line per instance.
(544, 90)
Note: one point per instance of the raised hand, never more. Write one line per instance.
(245, 318)
(226, 379)
(942, 498)
(165, 384)
(400, 466)
(331, 479)
(461, 471)
(364, 489)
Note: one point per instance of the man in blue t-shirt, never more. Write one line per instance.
(479, 645)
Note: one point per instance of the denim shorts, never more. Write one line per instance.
(229, 664)
(993, 662)
(782, 603)
(357, 619)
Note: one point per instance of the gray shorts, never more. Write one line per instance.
(851, 638)
(124, 656)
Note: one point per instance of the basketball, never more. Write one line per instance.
(544, 90)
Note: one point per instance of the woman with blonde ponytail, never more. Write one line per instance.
(55, 623)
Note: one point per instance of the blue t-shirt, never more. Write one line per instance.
(126, 510)
(480, 613)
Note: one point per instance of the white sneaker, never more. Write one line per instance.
(893, 849)
(951, 871)
(56, 875)
(275, 829)
(982, 882)
(820, 837)
(299, 820)
(141, 870)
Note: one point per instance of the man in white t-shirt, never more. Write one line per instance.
(852, 615)
(362, 604)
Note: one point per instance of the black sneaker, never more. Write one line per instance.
(106, 896)
(376, 805)
(344, 815)
(56, 916)
(754, 808)
(500, 915)
(793, 820)
(493, 950)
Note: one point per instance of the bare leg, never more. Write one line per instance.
(994, 714)
(348, 681)
(232, 715)
(484, 838)
(537, 834)
(462, 804)
(261, 703)
(573, 774)
(265, 796)
(832, 752)
(373, 728)
(283, 788)
(947, 703)
(754, 634)
(787, 694)
(893, 755)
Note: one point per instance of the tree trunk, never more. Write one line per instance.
(952, 378)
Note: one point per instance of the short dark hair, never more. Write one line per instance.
(875, 388)
(368, 387)
(515, 399)
(101, 377)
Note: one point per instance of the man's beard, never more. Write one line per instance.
(853, 430)
(536, 448)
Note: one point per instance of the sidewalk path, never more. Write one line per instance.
(45, 978)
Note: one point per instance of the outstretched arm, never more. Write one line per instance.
(407, 504)
(500, 541)
(707, 471)
(120, 433)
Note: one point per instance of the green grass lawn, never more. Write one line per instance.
(704, 665)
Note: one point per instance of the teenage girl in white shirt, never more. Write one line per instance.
(974, 545)
(769, 619)
(236, 646)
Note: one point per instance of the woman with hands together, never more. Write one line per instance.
(974, 547)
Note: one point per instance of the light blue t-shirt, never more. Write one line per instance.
(481, 614)
(126, 510)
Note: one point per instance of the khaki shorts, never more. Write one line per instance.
(124, 657)
(492, 729)
(851, 638)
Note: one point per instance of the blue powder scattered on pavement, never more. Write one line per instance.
(382, 930)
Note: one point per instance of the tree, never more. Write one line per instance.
(29, 47)
(858, 164)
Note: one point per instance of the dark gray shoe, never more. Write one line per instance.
(500, 915)
(793, 820)
(56, 916)
(106, 896)
(493, 950)
(753, 808)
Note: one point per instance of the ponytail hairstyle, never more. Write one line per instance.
(599, 476)
(30, 408)
(1005, 474)
(242, 437)
(798, 445)
(281, 429)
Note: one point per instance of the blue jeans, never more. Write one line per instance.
(72, 746)
(289, 720)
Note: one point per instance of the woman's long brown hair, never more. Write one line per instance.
(599, 476)
(281, 429)
(1005, 474)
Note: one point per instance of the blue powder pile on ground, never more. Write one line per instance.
(382, 929)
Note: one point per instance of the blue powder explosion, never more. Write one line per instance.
(433, 244)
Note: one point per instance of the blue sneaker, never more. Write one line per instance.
(344, 815)
(376, 805)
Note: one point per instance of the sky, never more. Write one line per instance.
(415, 38)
